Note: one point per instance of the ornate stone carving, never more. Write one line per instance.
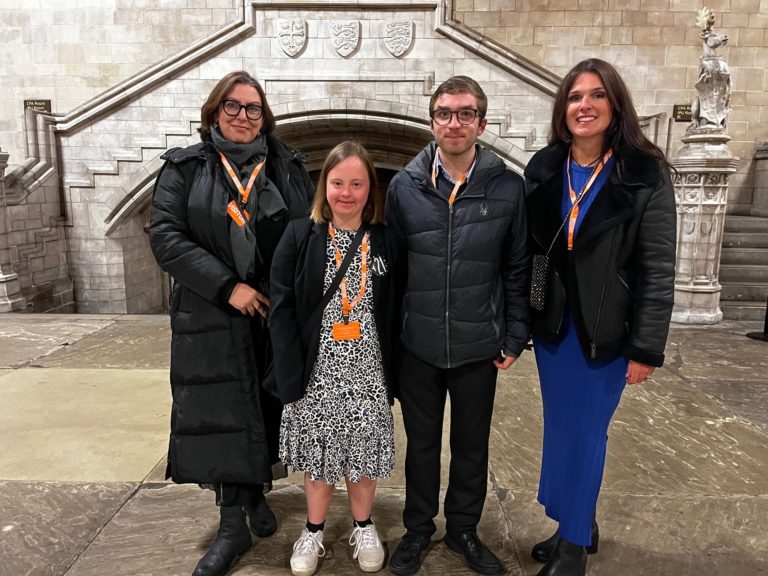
(704, 165)
(292, 35)
(398, 37)
(712, 104)
(346, 36)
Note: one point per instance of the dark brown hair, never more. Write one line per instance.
(624, 127)
(373, 213)
(461, 85)
(219, 93)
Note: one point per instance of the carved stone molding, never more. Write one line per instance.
(10, 287)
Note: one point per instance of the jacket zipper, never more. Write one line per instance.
(448, 289)
(593, 344)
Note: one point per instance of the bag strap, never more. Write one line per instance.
(567, 216)
(348, 257)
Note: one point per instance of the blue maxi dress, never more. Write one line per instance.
(580, 397)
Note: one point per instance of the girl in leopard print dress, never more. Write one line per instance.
(335, 359)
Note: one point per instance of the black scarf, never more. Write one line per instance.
(264, 200)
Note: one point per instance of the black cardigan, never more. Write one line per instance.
(298, 270)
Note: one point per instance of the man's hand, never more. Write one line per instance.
(504, 362)
(248, 301)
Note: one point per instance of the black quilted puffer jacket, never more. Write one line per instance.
(466, 295)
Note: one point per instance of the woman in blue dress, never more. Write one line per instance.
(601, 206)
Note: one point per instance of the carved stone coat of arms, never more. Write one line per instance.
(291, 35)
(345, 36)
(398, 37)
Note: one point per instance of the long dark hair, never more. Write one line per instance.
(220, 91)
(624, 127)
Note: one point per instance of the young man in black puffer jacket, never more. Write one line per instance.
(465, 316)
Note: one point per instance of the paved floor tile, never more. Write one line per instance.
(45, 526)
(83, 425)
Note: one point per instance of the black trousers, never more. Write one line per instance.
(423, 390)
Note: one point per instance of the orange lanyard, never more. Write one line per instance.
(233, 209)
(348, 306)
(456, 186)
(575, 199)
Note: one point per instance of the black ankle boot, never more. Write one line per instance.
(567, 560)
(260, 517)
(232, 540)
(542, 552)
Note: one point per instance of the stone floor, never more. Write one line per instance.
(83, 431)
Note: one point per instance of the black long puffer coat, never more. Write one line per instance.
(218, 356)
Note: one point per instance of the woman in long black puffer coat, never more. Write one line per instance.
(218, 212)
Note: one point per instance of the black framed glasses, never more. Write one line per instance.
(465, 116)
(233, 107)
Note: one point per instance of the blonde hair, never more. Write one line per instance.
(373, 212)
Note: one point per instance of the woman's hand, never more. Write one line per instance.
(638, 373)
(248, 300)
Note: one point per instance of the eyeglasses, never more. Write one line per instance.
(465, 116)
(233, 107)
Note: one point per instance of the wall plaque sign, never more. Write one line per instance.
(38, 105)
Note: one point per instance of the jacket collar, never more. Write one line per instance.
(612, 206)
(487, 165)
(633, 168)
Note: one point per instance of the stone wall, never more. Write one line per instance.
(70, 51)
(95, 182)
(655, 45)
(33, 259)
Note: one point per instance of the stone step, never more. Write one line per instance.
(744, 292)
(734, 223)
(745, 240)
(751, 256)
(743, 310)
(742, 274)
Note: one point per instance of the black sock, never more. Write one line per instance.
(362, 523)
(315, 527)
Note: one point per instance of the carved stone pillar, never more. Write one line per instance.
(704, 166)
(10, 289)
(760, 199)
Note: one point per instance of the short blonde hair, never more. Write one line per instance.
(373, 213)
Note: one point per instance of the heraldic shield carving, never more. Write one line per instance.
(291, 35)
(398, 37)
(346, 36)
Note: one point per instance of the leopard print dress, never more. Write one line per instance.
(343, 425)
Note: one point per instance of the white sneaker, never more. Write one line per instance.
(306, 551)
(368, 549)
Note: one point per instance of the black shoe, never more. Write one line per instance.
(232, 540)
(567, 560)
(476, 554)
(542, 552)
(406, 559)
(262, 520)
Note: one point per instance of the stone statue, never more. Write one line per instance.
(711, 106)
